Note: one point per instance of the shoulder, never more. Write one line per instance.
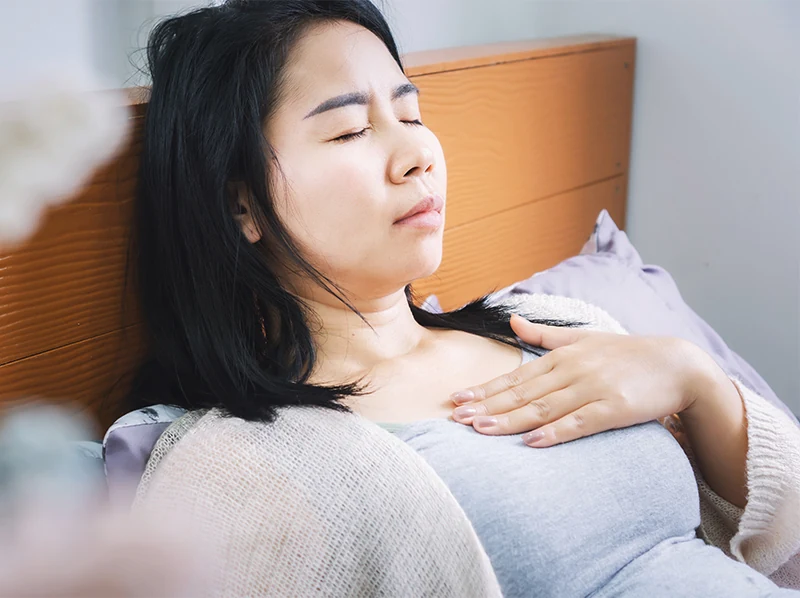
(311, 446)
(326, 465)
(314, 490)
(296, 431)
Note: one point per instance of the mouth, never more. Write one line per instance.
(431, 203)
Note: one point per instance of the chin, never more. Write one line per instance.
(427, 266)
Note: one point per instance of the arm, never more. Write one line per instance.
(716, 428)
(765, 533)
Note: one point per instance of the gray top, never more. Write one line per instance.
(613, 514)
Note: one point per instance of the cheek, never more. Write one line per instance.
(332, 201)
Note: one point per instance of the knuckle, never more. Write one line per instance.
(606, 383)
(518, 397)
(624, 397)
(513, 378)
(570, 349)
(606, 378)
(541, 409)
(604, 409)
(579, 421)
(563, 354)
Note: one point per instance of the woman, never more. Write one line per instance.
(289, 195)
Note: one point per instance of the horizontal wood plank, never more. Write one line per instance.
(66, 283)
(485, 256)
(92, 375)
(513, 133)
(465, 57)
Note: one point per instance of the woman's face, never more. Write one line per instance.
(353, 159)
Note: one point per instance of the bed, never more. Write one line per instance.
(537, 140)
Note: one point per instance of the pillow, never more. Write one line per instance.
(127, 446)
(610, 274)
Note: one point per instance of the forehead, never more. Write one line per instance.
(338, 57)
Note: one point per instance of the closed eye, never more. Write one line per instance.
(350, 136)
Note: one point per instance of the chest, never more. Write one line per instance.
(564, 519)
(420, 388)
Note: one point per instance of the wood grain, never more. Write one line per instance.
(465, 57)
(521, 131)
(492, 253)
(92, 375)
(66, 283)
(536, 136)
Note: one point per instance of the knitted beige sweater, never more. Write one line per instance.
(329, 504)
(318, 503)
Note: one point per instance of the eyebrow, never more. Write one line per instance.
(360, 99)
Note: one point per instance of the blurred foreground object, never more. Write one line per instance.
(52, 138)
(58, 536)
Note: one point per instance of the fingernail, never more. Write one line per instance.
(485, 422)
(465, 411)
(462, 396)
(533, 437)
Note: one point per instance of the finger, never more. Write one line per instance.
(530, 370)
(590, 419)
(549, 337)
(515, 397)
(530, 416)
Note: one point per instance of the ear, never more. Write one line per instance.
(242, 211)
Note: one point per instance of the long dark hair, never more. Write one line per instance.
(224, 332)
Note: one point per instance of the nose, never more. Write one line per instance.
(413, 159)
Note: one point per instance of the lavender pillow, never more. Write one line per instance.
(127, 446)
(610, 273)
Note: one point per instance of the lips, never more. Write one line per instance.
(430, 203)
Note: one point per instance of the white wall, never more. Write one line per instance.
(715, 170)
(40, 37)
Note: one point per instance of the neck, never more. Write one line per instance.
(348, 347)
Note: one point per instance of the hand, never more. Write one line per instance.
(590, 382)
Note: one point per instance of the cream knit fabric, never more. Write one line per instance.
(766, 533)
(316, 504)
(329, 504)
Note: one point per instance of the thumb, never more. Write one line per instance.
(548, 337)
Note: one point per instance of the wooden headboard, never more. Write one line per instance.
(536, 136)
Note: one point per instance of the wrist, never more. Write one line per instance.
(704, 381)
(715, 423)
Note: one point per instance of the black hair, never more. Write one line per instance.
(223, 331)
